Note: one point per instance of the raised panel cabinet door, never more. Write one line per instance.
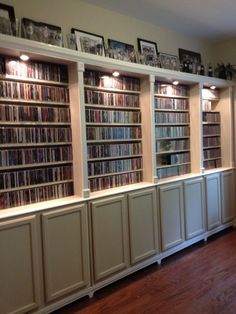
(109, 236)
(172, 215)
(19, 269)
(194, 205)
(65, 251)
(213, 201)
(143, 225)
(227, 196)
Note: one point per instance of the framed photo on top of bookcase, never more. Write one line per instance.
(189, 59)
(39, 31)
(7, 20)
(148, 49)
(168, 61)
(121, 51)
(89, 42)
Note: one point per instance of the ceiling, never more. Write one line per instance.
(208, 19)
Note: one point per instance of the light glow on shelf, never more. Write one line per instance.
(24, 57)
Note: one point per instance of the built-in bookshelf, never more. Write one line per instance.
(172, 130)
(211, 129)
(113, 130)
(35, 132)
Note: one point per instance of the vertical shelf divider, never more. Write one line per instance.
(148, 131)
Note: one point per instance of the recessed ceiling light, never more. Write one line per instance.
(212, 87)
(175, 82)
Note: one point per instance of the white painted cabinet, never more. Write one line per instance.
(194, 205)
(227, 196)
(19, 269)
(172, 214)
(65, 251)
(213, 200)
(109, 224)
(143, 225)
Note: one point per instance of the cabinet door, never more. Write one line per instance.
(19, 271)
(65, 251)
(172, 219)
(143, 225)
(213, 201)
(109, 236)
(227, 196)
(194, 205)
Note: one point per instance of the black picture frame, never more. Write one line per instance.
(189, 60)
(43, 32)
(121, 51)
(89, 42)
(7, 20)
(148, 49)
(168, 61)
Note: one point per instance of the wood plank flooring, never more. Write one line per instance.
(198, 280)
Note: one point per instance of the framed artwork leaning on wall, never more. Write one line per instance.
(89, 42)
(148, 52)
(7, 20)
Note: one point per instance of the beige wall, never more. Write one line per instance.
(225, 51)
(78, 14)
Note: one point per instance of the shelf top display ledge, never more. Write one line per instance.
(14, 46)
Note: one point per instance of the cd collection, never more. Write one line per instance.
(171, 90)
(173, 171)
(172, 159)
(33, 92)
(32, 156)
(171, 117)
(24, 178)
(112, 181)
(167, 148)
(34, 70)
(206, 105)
(113, 133)
(211, 117)
(212, 153)
(113, 166)
(171, 103)
(35, 195)
(105, 80)
(112, 116)
(171, 145)
(172, 131)
(111, 99)
(37, 135)
(211, 141)
(15, 113)
(211, 130)
(114, 150)
(126, 113)
(25, 142)
(210, 164)
(211, 127)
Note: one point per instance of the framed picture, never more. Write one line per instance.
(89, 42)
(7, 20)
(148, 51)
(168, 61)
(39, 31)
(121, 51)
(189, 60)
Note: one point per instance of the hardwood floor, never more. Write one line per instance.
(198, 280)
